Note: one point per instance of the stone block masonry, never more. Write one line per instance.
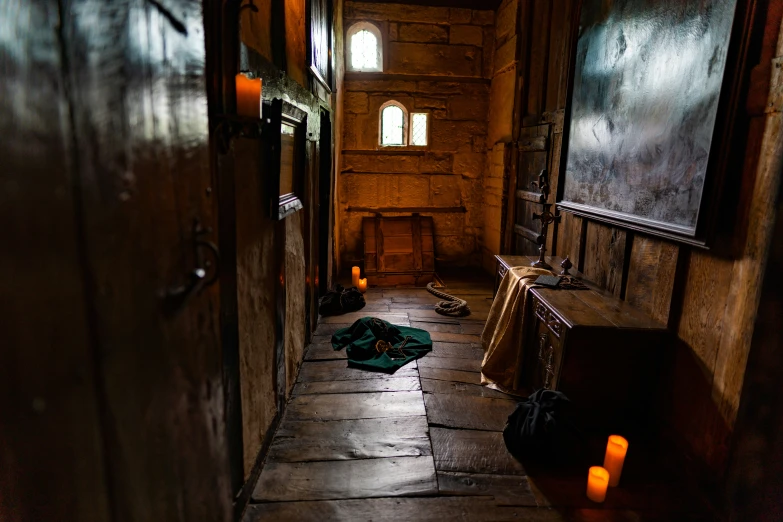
(436, 60)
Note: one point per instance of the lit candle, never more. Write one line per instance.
(355, 276)
(597, 482)
(616, 449)
(248, 96)
(363, 285)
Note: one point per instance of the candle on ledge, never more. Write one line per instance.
(616, 449)
(363, 285)
(248, 96)
(355, 276)
(597, 482)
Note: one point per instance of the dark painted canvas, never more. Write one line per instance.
(647, 82)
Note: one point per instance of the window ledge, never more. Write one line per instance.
(389, 151)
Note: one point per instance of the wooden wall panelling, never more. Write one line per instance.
(651, 273)
(144, 181)
(604, 256)
(571, 236)
(257, 270)
(52, 455)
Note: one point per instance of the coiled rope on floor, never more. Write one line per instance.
(452, 306)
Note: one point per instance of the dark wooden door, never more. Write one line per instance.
(148, 220)
(324, 202)
(532, 151)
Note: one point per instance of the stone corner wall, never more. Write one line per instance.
(437, 60)
(499, 127)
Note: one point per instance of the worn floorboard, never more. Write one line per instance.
(450, 375)
(388, 384)
(323, 352)
(423, 444)
(472, 451)
(365, 478)
(508, 490)
(451, 363)
(468, 412)
(435, 509)
(458, 350)
(434, 386)
(303, 441)
(313, 371)
(340, 406)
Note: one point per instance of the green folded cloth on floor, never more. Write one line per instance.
(361, 337)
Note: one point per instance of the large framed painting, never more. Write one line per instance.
(653, 83)
(285, 126)
(319, 46)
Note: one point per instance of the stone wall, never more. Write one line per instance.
(436, 60)
(500, 124)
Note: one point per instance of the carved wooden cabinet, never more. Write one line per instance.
(604, 354)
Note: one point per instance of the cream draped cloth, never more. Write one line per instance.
(503, 333)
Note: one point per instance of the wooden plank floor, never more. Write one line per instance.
(425, 443)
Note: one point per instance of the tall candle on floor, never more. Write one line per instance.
(597, 481)
(363, 285)
(616, 449)
(355, 276)
(248, 96)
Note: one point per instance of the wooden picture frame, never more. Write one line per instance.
(671, 192)
(285, 129)
(320, 41)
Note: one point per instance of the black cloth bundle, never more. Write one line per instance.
(543, 429)
(341, 301)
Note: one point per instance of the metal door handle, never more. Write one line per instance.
(176, 297)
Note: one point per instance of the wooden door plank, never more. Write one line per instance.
(340, 406)
(462, 388)
(323, 352)
(459, 350)
(302, 441)
(392, 477)
(472, 451)
(314, 371)
(451, 363)
(434, 509)
(358, 386)
(450, 375)
(468, 412)
(507, 490)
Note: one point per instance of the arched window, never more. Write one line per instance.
(365, 48)
(393, 124)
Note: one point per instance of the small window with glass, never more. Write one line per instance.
(365, 48)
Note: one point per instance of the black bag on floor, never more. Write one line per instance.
(543, 429)
(341, 301)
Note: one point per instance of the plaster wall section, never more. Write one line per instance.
(437, 60)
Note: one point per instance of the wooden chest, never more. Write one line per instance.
(399, 250)
(601, 352)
